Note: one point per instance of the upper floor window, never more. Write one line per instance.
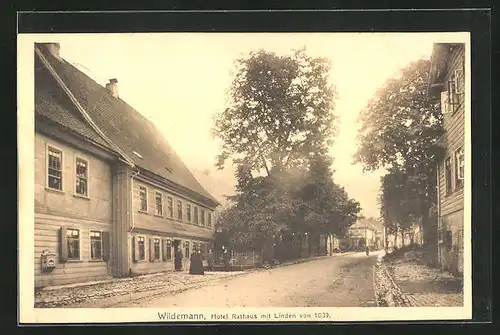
(196, 214)
(179, 210)
(455, 89)
(188, 212)
(459, 168)
(170, 207)
(81, 177)
(159, 204)
(55, 169)
(73, 240)
(209, 219)
(143, 196)
(202, 216)
(447, 174)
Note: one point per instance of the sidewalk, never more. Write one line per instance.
(422, 285)
(111, 293)
(117, 291)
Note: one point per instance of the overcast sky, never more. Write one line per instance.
(179, 81)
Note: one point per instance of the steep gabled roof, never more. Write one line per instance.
(52, 104)
(125, 127)
(367, 223)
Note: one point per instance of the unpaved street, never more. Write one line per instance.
(337, 281)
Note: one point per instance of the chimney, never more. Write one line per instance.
(112, 87)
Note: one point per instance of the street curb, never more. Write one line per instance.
(404, 298)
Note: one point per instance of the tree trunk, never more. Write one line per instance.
(326, 244)
(308, 245)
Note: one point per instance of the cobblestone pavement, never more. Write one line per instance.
(425, 286)
(337, 281)
(120, 291)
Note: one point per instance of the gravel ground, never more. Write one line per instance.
(113, 293)
(424, 286)
(336, 281)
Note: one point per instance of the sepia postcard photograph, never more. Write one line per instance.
(244, 177)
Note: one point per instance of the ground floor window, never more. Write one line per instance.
(141, 247)
(95, 245)
(73, 240)
(156, 243)
(169, 249)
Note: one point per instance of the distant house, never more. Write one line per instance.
(447, 81)
(365, 232)
(111, 196)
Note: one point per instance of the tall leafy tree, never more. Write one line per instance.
(399, 128)
(280, 111)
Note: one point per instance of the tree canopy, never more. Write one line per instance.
(280, 111)
(277, 131)
(399, 128)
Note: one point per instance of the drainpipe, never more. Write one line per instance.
(132, 199)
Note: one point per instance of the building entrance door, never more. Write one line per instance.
(177, 255)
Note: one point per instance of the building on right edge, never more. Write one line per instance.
(447, 81)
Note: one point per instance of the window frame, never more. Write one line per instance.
(170, 206)
(459, 181)
(209, 219)
(48, 147)
(454, 94)
(168, 245)
(202, 217)
(139, 237)
(90, 245)
(140, 199)
(196, 215)
(188, 213)
(87, 161)
(179, 208)
(80, 256)
(160, 212)
(156, 259)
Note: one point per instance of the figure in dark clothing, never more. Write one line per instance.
(196, 266)
(178, 259)
(210, 260)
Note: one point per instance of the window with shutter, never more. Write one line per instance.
(73, 243)
(141, 248)
(96, 245)
(134, 251)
